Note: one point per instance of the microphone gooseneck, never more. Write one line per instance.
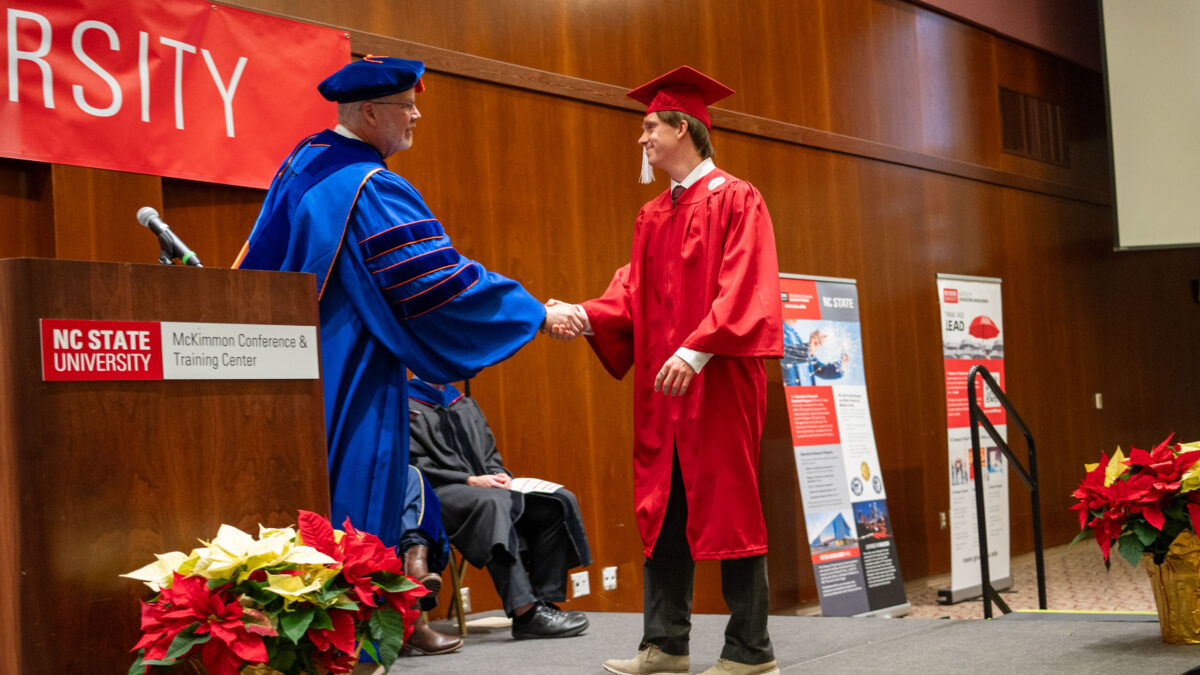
(171, 245)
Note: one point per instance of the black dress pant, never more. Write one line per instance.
(667, 588)
(539, 572)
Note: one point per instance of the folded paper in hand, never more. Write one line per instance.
(527, 485)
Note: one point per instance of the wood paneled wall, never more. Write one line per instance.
(871, 127)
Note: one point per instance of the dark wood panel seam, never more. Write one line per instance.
(473, 67)
(992, 31)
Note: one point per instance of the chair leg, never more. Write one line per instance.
(457, 562)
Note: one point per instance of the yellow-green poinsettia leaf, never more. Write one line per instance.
(187, 567)
(271, 532)
(278, 547)
(307, 555)
(1191, 477)
(271, 549)
(233, 540)
(1117, 465)
(157, 574)
(225, 554)
(291, 587)
(322, 575)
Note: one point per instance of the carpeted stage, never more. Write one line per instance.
(841, 645)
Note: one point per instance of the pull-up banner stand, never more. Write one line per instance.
(973, 334)
(845, 505)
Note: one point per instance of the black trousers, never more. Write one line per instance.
(539, 573)
(667, 588)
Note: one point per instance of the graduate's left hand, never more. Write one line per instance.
(674, 377)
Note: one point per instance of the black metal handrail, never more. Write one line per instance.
(978, 418)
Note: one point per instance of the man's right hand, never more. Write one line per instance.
(562, 320)
(491, 480)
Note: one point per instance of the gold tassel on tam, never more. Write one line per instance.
(1176, 584)
(647, 170)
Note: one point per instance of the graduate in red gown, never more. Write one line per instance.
(695, 313)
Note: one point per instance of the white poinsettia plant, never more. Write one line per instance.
(291, 601)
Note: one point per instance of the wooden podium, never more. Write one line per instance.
(97, 477)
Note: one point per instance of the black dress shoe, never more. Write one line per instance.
(547, 621)
(579, 616)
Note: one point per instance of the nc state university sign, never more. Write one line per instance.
(176, 88)
(84, 350)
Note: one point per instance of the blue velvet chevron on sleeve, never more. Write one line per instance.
(416, 267)
(456, 316)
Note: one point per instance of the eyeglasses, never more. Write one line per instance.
(407, 105)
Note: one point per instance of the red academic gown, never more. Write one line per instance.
(703, 275)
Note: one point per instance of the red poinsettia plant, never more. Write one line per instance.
(292, 601)
(1142, 502)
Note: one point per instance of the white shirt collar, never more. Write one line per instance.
(702, 169)
(343, 131)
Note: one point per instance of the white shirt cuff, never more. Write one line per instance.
(693, 358)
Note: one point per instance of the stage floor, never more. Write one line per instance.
(839, 645)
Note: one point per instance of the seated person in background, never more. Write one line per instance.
(527, 541)
(425, 551)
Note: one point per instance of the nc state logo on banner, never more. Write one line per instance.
(184, 88)
(101, 350)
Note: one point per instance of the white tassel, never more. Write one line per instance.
(647, 170)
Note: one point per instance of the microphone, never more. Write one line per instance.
(172, 246)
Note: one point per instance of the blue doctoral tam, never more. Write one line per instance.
(372, 77)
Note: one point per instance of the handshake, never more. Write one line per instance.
(564, 321)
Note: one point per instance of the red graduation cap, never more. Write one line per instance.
(684, 89)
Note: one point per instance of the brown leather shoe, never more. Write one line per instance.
(427, 641)
(415, 567)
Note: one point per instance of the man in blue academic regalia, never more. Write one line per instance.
(394, 293)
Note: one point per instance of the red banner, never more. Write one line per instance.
(182, 88)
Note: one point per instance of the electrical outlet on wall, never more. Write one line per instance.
(608, 578)
(579, 584)
(465, 594)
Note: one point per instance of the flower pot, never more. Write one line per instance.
(1176, 585)
(360, 669)
(259, 669)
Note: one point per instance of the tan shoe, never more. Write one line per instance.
(727, 667)
(650, 661)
